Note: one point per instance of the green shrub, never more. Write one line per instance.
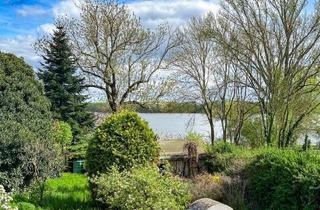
(142, 188)
(79, 149)
(220, 157)
(285, 180)
(231, 159)
(62, 133)
(28, 151)
(26, 206)
(252, 133)
(123, 140)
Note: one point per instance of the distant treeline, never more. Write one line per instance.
(160, 107)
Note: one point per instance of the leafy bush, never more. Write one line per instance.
(142, 188)
(62, 133)
(285, 180)
(79, 149)
(232, 159)
(124, 140)
(220, 157)
(26, 206)
(252, 133)
(28, 151)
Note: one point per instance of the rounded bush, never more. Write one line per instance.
(142, 188)
(123, 140)
(62, 133)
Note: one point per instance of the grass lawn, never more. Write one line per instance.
(69, 192)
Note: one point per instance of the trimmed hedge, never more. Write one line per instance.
(123, 140)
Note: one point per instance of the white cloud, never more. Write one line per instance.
(47, 28)
(27, 10)
(21, 46)
(69, 8)
(153, 12)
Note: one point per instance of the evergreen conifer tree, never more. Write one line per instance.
(63, 86)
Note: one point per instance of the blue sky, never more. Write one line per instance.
(23, 21)
(16, 16)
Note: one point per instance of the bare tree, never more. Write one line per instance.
(226, 88)
(276, 44)
(115, 52)
(199, 71)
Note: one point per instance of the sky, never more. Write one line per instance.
(23, 21)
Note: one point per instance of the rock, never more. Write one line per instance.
(208, 204)
(220, 206)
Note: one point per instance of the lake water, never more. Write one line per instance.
(178, 125)
(168, 125)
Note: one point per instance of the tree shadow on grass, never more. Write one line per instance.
(56, 201)
(68, 198)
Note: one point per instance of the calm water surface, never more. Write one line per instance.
(178, 125)
(168, 125)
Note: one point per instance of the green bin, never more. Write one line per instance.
(78, 166)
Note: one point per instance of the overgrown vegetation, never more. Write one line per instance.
(266, 178)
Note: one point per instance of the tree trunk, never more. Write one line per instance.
(211, 131)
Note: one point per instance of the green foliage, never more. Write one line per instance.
(28, 152)
(63, 86)
(79, 150)
(195, 137)
(229, 158)
(26, 206)
(69, 192)
(220, 157)
(285, 180)
(142, 188)
(62, 133)
(252, 133)
(123, 140)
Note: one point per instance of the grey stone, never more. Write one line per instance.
(220, 206)
(208, 204)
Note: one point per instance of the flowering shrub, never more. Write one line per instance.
(5, 200)
(142, 188)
